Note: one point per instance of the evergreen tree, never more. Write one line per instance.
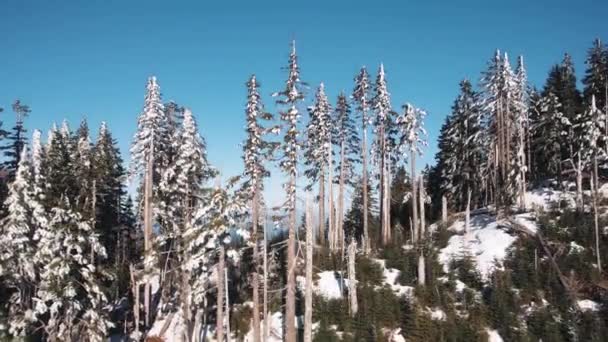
(596, 76)
(460, 156)
(70, 295)
(16, 139)
(318, 150)
(289, 99)
(384, 144)
(256, 151)
(362, 97)
(108, 175)
(347, 141)
(550, 129)
(17, 249)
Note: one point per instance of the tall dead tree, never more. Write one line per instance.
(352, 277)
(361, 96)
(219, 313)
(309, 261)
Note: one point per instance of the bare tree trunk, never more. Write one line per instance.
(290, 307)
(340, 218)
(382, 166)
(219, 325)
(444, 209)
(332, 214)
(266, 322)
(467, 214)
(148, 230)
(135, 289)
(595, 189)
(422, 213)
(322, 207)
(366, 243)
(308, 289)
(579, 185)
(421, 269)
(256, 260)
(227, 305)
(414, 197)
(421, 263)
(352, 277)
(387, 213)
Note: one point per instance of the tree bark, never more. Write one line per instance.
(421, 269)
(333, 239)
(444, 209)
(308, 289)
(148, 179)
(322, 207)
(467, 215)
(352, 278)
(340, 217)
(219, 324)
(595, 191)
(227, 305)
(255, 276)
(421, 205)
(366, 243)
(290, 307)
(415, 226)
(266, 322)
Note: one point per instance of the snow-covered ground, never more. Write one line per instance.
(485, 241)
(493, 336)
(545, 198)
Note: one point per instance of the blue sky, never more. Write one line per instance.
(75, 59)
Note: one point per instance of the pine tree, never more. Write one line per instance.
(70, 292)
(362, 97)
(318, 153)
(256, 151)
(17, 248)
(17, 139)
(347, 141)
(596, 75)
(207, 235)
(384, 129)
(500, 106)
(460, 155)
(290, 97)
(549, 131)
(108, 177)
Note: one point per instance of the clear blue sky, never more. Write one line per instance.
(75, 59)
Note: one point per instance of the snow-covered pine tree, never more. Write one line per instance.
(318, 153)
(182, 185)
(460, 153)
(521, 103)
(16, 139)
(256, 152)
(57, 166)
(17, 249)
(70, 293)
(361, 96)
(412, 138)
(499, 104)
(549, 134)
(109, 175)
(204, 237)
(596, 74)
(346, 139)
(384, 129)
(289, 99)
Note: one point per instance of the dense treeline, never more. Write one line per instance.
(81, 260)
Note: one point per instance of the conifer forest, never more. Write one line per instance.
(504, 237)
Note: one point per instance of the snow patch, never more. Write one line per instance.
(588, 305)
(485, 241)
(545, 198)
(493, 336)
(329, 286)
